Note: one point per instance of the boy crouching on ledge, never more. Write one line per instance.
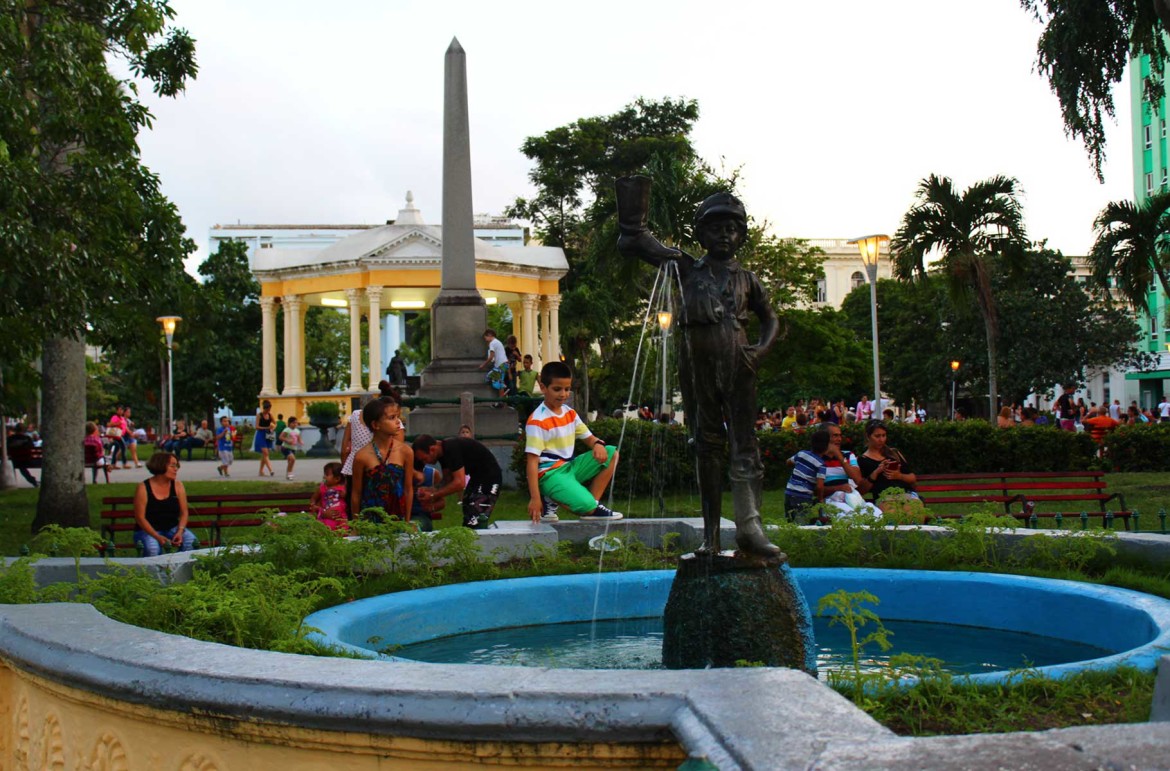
(555, 477)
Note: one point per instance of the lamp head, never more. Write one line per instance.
(664, 319)
(870, 248)
(954, 366)
(169, 323)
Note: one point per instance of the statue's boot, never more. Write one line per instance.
(749, 533)
(633, 201)
(710, 476)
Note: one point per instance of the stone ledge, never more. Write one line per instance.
(741, 719)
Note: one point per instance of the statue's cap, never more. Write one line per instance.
(721, 205)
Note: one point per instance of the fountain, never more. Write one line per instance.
(1062, 627)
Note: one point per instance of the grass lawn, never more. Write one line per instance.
(1147, 492)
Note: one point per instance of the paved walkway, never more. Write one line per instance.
(198, 470)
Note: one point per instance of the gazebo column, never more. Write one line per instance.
(374, 297)
(268, 346)
(286, 331)
(545, 339)
(528, 327)
(294, 305)
(354, 297)
(554, 326)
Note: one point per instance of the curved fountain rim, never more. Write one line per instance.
(1144, 657)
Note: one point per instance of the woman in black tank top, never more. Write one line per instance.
(160, 508)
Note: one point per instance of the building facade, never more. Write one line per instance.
(1150, 176)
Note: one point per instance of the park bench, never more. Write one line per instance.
(210, 513)
(1036, 494)
(34, 457)
(27, 457)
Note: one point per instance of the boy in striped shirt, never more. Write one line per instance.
(555, 477)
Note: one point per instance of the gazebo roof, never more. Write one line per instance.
(406, 242)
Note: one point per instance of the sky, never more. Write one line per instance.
(310, 112)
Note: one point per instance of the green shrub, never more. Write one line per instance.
(323, 411)
(1141, 447)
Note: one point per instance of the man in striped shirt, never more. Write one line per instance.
(555, 477)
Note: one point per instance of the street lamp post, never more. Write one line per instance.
(954, 377)
(870, 248)
(664, 319)
(168, 324)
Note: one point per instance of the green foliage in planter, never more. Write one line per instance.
(323, 412)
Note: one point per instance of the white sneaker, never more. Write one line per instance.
(290, 476)
(601, 514)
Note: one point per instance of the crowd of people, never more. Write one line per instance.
(805, 416)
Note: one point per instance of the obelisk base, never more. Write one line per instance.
(725, 609)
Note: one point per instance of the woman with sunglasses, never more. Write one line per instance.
(160, 508)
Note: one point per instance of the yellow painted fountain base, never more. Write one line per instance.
(44, 725)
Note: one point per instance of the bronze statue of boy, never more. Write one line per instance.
(717, 363)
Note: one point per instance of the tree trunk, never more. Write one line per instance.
(992, 369)
(62, 498)
(7, 478)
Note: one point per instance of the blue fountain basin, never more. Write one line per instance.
(1135, 627)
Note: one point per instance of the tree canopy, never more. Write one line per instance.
(1133, 248)
(1083, 51)
(604, 295)
(87, 235)
(966, 230)
(1052, 332)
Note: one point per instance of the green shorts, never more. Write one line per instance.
(566, 483)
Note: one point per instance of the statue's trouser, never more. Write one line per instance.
(721, 402)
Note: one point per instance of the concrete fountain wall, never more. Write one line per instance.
(81, 691)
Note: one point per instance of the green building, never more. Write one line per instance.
(1150, 175)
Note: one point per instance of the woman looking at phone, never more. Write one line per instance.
(883, 467)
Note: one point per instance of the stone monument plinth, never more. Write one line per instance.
(726, 608)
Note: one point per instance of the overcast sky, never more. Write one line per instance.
(310, 112)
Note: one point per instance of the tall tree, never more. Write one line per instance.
(83, 225)
(1133, 248)
(1083, 51)
(966, 230)
(1052, 331)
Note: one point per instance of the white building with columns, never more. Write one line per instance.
(375, 271)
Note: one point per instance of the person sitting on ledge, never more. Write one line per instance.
(555, 477)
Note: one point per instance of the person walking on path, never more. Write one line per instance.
(265, 438)
(290, 443)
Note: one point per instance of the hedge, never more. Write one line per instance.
(939, 447)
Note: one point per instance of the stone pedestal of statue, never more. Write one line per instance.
(726, 608)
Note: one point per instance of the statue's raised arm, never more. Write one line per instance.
(633, 202)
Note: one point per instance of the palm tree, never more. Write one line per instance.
(967, 232)
(1133, 246)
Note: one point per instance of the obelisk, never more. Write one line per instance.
(458, 314)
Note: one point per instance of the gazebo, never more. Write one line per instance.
(388, 268)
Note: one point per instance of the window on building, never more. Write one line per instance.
(1162, 125)
(856, 279)
(1153, 327)
(1149, 183)
(1148, 136)
(1165, 179)
(822, 290)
